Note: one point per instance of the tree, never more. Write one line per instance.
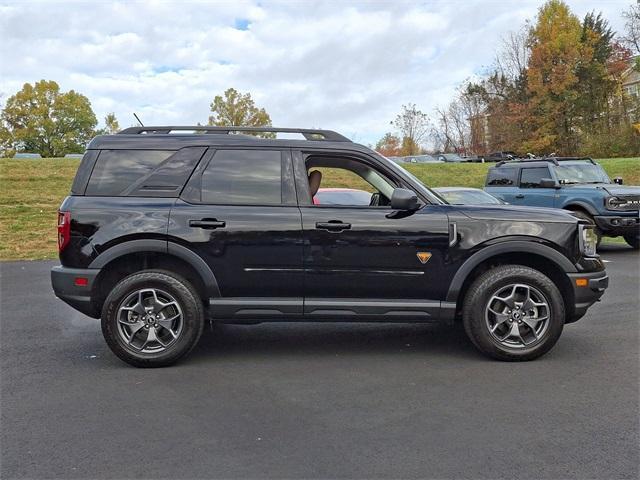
(631, 37)
(413, 126)
(41, 119)
(389, 145)
(111, 124)
(595, 84)
(237, 109)
(556, 52)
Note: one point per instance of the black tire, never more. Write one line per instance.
(633, 240)
(192, 318)
(589, 218)
(477, 300)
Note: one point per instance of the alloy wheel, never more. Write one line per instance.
(149, 320)
(517, 315)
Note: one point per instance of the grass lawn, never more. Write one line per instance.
(32, 189)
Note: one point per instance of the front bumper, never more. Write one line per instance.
(618, 224)
(587, 295)
(65, 286)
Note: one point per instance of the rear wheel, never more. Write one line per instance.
(513, 313)
(152, 319)
(633, 240)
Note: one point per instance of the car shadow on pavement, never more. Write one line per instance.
(294, 339)
(614, 248)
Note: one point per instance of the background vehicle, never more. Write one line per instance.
(421, 159)
(576, 184)
(451, 157)
(468, 196)
(341, 196)
(164, 230)
(499, 156)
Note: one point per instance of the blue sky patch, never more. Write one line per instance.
(241, 24)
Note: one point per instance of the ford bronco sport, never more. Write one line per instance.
(576, 184)
(167, 228)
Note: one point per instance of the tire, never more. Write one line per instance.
(537, 336)
(589, 218)
(142, 341)
(633, 240)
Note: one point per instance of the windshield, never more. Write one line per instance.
(581, 173)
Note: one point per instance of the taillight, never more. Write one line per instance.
(64, 229)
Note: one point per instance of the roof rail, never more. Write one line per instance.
(556, 160)
(308, 133)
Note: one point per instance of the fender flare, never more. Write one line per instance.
(162, 246)
(472, 262)
(582, 205)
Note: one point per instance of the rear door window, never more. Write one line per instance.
(243, 177)
(116, 170)
(530, 177)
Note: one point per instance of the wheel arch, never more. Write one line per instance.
(535, 255)
(130, 257)
(586, 207)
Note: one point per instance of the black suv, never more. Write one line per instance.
(168, 227)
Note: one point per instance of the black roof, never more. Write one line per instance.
(160, 137)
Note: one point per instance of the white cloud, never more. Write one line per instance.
(347, 67)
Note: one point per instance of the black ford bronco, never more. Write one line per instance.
(167, 228)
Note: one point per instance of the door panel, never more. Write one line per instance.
(530, 193)
(254, 251)
(375, 257)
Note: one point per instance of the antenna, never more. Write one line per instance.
(141, 124)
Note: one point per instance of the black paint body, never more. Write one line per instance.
(273, 262)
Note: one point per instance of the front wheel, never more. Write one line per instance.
(152, 319)
(633, 240)
(513, 313)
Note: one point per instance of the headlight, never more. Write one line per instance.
(588, 240)
(614, 203)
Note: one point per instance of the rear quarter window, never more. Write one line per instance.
(502, 177)
(116, 170)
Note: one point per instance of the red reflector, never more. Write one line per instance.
(81, 282)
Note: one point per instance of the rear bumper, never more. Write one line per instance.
(585, 296)
(618, 224)
(63, 281)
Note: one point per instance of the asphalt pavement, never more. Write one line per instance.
(317, 401)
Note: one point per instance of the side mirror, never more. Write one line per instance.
(548, 183)
(403, 199)
(618, 180)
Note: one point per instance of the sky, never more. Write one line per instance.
(345, 66)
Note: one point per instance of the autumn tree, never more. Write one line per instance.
(389, 145)
(413, 126)
(556, 51)
(111, 124)
(42, 119)
(237, 109)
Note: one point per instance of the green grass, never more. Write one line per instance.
(32, 190)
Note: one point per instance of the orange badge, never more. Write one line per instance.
(423, 257)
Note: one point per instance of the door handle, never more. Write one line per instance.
(333, 226)
(520, 195)
(207, 223)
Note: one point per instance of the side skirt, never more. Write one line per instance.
(257, 309)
